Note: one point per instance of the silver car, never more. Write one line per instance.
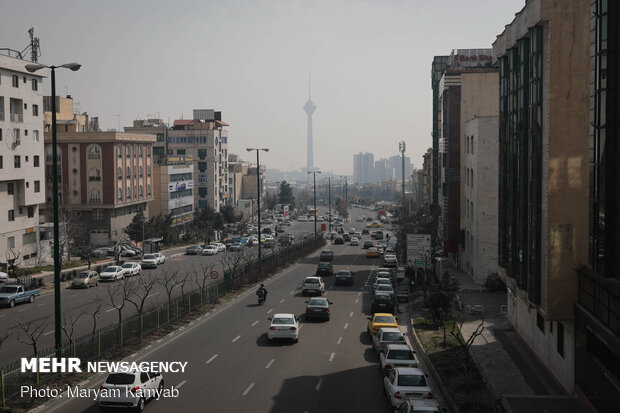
(149, 261)
(112, 273)
(131, 268)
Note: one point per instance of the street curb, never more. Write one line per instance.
(431, 369)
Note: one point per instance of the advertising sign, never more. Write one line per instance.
(419, 249)
(180, 186)
(285, 213)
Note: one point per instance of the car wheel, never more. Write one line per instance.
(296, 340)
(140, 405)
(31, 299)
(12, 303)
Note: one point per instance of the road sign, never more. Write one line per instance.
(418, 249)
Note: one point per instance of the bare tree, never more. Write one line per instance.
(29, 333)
(4, 336)
(117, 296)
(145, 284)
(95, 313)
(233, 262)
(13, 261)
(169, 281)
(466, 360)
(202, 277)
(69, 321)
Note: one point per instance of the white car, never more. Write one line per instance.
(209, 250)
(220, 247)
(302, 218)
(313, 285)
(397, 355)
(384, 289)
(385, 336)
(132, 389)
(390, 261)
(128, 252)
(131, 268)
(283, 326)
(382, 281)
(404, 383)
(149, 261)
(161, 258)
(354, 241)
(384, 276)
(112, 273)
(4, 277)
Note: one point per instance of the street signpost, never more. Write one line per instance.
(419, 249)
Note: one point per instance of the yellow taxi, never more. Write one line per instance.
(372, 252)
(380, 320)
(373, 225)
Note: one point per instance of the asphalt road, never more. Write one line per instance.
(82, 301)
(232, 366)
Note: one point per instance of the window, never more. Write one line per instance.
(35, 110)
(202, 166)
(30, 212)
(202, 153)
(15, 81)
(119, 151)
(140, 150)
(140, 171)
(148, 151)
(10, 188)
(128, 193)
(202, 178)
(1, 162)
(135, 191)
(10, 242)
(128, 172)
(120, 194)
(94, 196)
(202, 192)
(127, 151)
(1, 118)
(160, 137)
(148, 170)
(141, 191)
(35, 136)
(94, 175)
(37, 186)
(540, 322)
(119, 172)
(471, 145)
(94, 152)
(560, 338)
(157, 150)
(16, 135)
(180, 151)
(35, 84)
(148, 190)
(97, 214)
(135, 151)
(11, 215)
(18, 161)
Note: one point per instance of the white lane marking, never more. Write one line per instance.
(22, 310)
(331, 358)
(269, 311)
(339, 340)
(180, 384)
(270, 363)
(245, 393)
(38, 305)
(236, 338)
(4, 315)
(292, 292)
(282, 300)
(318, 385)
(152, 295)
(360, 293)
(111, 309)
(254, 323)
(351, 315)
(356, 300)
(346, 325)
(211, 359)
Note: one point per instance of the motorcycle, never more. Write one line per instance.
(262, 296)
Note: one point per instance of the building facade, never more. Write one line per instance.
(22, 172)
(481, 172)
(363, 168)
(439, 65)
(155, 127)
(544, 126)
(173, 187)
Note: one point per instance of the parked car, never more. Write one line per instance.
(324, 268)
(397, 355)
(404, 383)
(130, 389)
(326, 255)
(128, 252)
(365, 231)
(283, 326)
(385, 336)
(12, 294)
(382, 281)
(382, 303)
(98, 253)
(344, 277)
(318, 307)
(85, 279)
(236, 247)
(112, 273)
(384, 289)
(380, 320)
(419, 406)
(209, 250)
(390, 261)
(313, 285)
(149, 261)
(161, 258)
(131, 268)
(4, 277)
(269, 243)
(193, 250)
(221, 247)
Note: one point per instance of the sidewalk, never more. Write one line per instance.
(510, 370)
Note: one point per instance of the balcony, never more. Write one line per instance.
(17, 117)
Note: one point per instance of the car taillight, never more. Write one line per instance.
(293, 328)
(397, 395)
(388, 367)
(272, 328)
(135, 389)
(326, 311)
(430, 395)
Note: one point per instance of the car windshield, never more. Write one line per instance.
(8, 290)
(344, 272)
(318, 301)
(392, 336)
(311, 281)
(385, 319)
(384, 281)
(383, 298)
(120, 378)
(283, 320)
(83, 275)
(400, 355)
(326, 252)
(324, 265)
(384, 288)
(110, 269)
(412, 380)
(149, 257)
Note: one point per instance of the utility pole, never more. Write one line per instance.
(401, 147)
(258, 191)
(329, 201)
(315, 211)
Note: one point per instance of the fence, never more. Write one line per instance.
(106, 341)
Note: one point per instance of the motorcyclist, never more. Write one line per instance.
(262, 291)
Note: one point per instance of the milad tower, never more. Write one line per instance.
(309, 107)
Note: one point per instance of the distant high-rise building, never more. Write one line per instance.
(363, 168)
(440, 63)
(309, 108)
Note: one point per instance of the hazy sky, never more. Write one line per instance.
(369, 61)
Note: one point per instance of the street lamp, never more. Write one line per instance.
(57, 307)
(33, 67)
(258, 187)
(315, 211)
(346, 200)
(329, 201)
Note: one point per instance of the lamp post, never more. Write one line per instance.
(258, 187)
(57, 263)
(315, 211)
(346, 200)
(329, 201)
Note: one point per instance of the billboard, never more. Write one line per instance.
(180, 186)
(419, 249)
(285, 213)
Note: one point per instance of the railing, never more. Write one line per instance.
(17, 117)
(601, 297)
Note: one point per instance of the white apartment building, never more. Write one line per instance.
(363, 168)
(481, 176)
(173, 185)
(22, 172)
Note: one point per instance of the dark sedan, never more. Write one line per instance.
(344, 277)
(382, 303)
(338, 240)
(194, 250)
(317, 308)
(327, 255)
(324, 268)
(368, 244)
